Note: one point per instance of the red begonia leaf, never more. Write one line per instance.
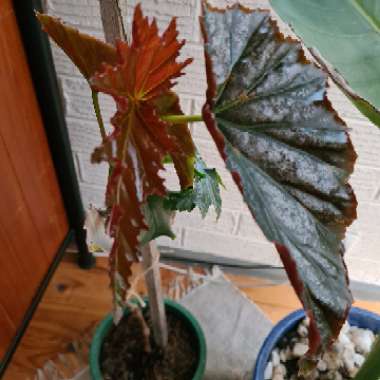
(140, 84)
(86, 52)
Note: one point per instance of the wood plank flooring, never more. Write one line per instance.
(75, 300)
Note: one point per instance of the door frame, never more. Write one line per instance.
(44, 77)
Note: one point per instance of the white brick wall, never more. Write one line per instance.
(236, 234)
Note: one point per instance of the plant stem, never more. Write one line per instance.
(95, 102)
(179, 119)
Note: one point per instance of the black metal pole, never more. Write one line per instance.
(44, 77)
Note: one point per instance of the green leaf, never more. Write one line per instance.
(287, 150)
(204, 193)
(181, 200)
(206, 188)
(347, 34)
(158, 218)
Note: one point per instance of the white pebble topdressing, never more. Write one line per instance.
(340, 363)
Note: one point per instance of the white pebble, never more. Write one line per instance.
(299, 350)
(345, 328)
(286, 354)
(362, 339)
(353, 373)
(302, 330)
(348, 360)
(280, 370)
(359, 360)
(275, 358)
(268, 371)
(344, 338)
(332, 361)
(322, 365)
(339, 347)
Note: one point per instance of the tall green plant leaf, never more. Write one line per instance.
(347, 34)
(288, 151)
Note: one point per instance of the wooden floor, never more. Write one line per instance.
(77, 299)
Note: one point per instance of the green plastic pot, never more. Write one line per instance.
(172, 308)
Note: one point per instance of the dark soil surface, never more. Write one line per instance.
(129, 351)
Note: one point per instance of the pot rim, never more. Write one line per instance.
(106, 323)
(356, 317)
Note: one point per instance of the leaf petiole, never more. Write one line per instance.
(179, 119)
(95, 102)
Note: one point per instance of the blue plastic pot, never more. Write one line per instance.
(173, 308)
(357, 317)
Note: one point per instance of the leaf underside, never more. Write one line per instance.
(287, 150)
(347, 34)
(86, 52)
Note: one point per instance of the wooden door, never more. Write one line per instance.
(32, 217)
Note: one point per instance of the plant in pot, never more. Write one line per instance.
(266, 110)
(163, 340)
